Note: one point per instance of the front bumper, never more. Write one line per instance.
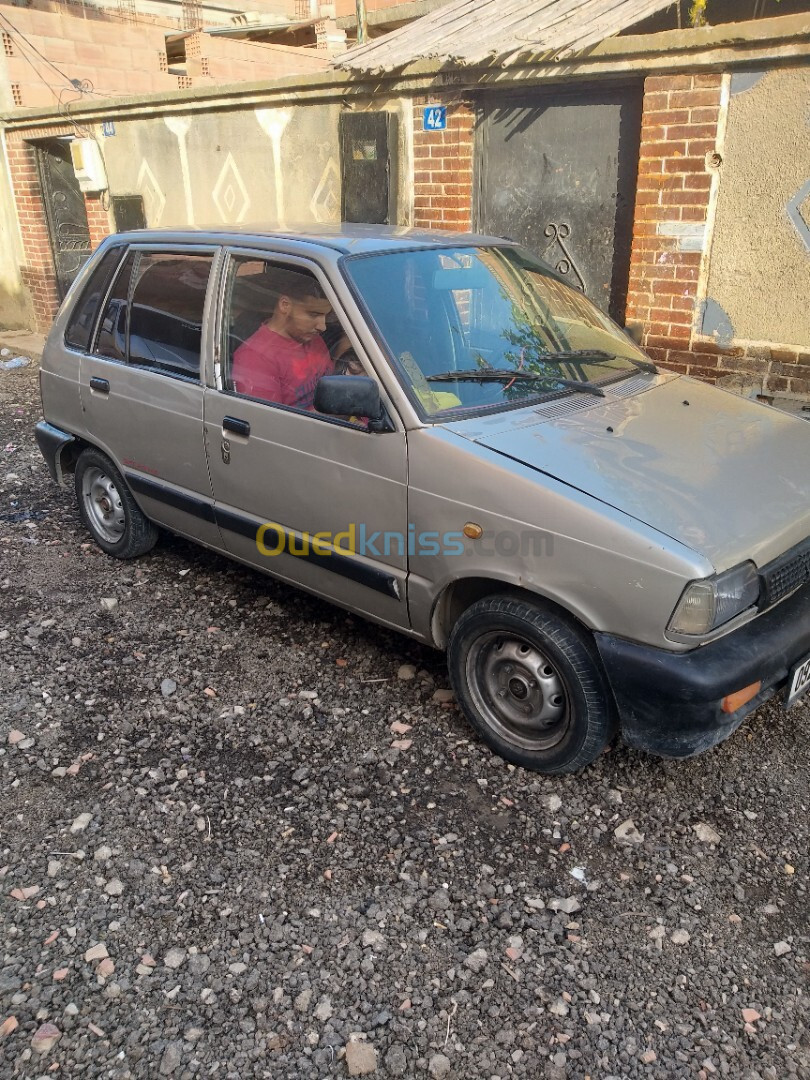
(669, 703)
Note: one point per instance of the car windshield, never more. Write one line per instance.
(488, 327)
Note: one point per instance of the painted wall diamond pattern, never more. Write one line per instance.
(230, 194)
(799, 212)
(325, 203)
(154, 201)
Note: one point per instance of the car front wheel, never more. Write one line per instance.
(108, 509)
(530, 682)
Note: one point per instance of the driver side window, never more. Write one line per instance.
(280, 334)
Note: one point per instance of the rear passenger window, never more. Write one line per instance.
(153, 317)
(112, 331)
(80, 326)
(166, 313)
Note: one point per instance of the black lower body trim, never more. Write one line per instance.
(669, 703)
(165, 493)
(334, 561)
(243, 525)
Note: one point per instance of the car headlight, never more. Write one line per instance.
(709, 603)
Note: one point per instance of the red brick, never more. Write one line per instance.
(701, 147)
(652, 133)
(696, 99)
(684, 165)
(698, 181)
(655, 100)
(704, 116)
(683, 303)
(666, 83)
(711, 78)
(692, 131)
(672, 148)
(693, 213)
(664, 117)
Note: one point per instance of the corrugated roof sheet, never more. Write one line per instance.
(471, 31)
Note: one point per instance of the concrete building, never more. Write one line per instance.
(56, 51)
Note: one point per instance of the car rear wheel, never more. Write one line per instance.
(530, 682)
(108, 509)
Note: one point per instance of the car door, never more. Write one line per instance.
(317, 501)
(141, 385)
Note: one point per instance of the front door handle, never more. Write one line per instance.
(238, 427)
(102, 385)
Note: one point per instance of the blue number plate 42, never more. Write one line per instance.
(799, 682)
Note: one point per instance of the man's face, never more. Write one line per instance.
(303, 319)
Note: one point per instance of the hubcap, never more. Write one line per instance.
(518, 690)
(102, 503)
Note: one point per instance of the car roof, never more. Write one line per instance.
(344, 238)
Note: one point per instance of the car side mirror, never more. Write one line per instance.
(351, 395)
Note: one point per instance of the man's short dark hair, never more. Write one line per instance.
(294, 285)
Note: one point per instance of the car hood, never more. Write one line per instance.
(727, 477)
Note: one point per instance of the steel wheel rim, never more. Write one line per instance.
(102, 502)
(518, 690)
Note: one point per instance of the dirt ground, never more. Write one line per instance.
(239, 837)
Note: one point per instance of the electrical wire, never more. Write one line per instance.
(33, 47)
(38, 74)
(85, 86)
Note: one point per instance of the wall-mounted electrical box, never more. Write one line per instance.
(88, 165)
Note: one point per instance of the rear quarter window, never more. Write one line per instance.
(83, 319)
(166, 312)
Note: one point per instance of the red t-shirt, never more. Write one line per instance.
(276, 368)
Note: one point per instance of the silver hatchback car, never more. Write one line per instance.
(435, 431)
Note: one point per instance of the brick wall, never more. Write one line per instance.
(98, 218)
(679, 129)
(37, 272)
(442, 188)
(678, 167)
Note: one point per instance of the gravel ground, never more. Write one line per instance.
(243, 836)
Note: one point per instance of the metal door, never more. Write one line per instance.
(128, 211)
(366, 140)
(65, 212)
(557, 172)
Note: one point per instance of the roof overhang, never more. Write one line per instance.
(473, 31)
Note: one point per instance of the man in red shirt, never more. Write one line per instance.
(283, 361)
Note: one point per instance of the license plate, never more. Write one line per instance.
(799, 682)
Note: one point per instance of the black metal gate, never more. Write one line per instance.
(366, 141)
(64, 209)
(557, 172)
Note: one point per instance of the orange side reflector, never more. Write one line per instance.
(741, 697)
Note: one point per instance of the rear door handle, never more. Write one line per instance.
(102, 385)
(238, 427)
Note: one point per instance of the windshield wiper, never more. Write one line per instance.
(510, 375)
(596, 356)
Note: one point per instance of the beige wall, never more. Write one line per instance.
(758, 284)
(275, 166)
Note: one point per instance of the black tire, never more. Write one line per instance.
(530, 683)
(110, 514)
